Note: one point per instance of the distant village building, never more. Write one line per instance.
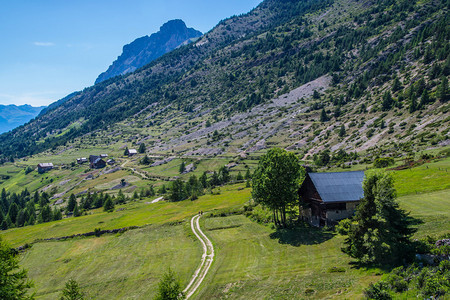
(44, 167)
(331, 196)
(103, 155)
(96, 162)
(111, 161)
(131, 152)
(82, 160)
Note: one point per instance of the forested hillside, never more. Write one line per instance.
(311, 75)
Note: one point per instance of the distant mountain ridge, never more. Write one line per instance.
(145, 49)
(12, 116)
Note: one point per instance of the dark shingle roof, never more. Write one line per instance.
(339, 186)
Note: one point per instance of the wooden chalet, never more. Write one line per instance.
(331, 196)
(44, 167)
(96, 162)
(131, 152)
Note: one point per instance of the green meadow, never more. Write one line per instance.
(253, 261)
(138, 213)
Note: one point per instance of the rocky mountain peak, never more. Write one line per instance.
(148, 48)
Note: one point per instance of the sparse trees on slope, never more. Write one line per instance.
(276, 181)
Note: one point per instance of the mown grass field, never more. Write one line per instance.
(256, 262)
(428, 177)
(432, 208)
(126, 266)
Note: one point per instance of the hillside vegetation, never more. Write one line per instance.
(311, 76)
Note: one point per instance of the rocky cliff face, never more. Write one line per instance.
(148, 48)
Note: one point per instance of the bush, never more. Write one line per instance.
(378, 291)
(383, 162)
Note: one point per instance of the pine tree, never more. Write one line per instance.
(442, 92)
(169, 288)
(109, 205)
(248, 175)
(46, 214)
(182, 167)
(142, 148)
(323, 116)
(12, 212)
(76, 212)
(72, 291)
(342, 131)
(204, 180)
(396, 85)
(424, 99)
(20, 218)
(380, 232)
(14, 282)
(387, 101)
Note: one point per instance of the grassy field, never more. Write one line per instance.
(133, 214)
(127, 266)
(432, 208)
(256, 262)
(425, 178)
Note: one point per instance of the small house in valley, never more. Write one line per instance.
(131, 152)
(82, 160)
(44, 167)
(331, 196)
(96, 162)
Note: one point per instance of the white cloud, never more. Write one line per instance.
(44, 44)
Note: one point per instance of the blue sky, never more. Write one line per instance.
(51, 48)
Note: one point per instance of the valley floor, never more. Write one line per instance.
(252, 260)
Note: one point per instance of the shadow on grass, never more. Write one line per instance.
(301, 235)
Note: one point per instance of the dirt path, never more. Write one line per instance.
(207, 258)
(144, 176)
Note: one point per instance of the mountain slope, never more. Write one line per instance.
(148, 48)
(311, 76)
(12, 116)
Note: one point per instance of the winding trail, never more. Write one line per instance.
(207, 258)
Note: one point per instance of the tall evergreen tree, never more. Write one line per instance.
(142, 148)
(182, 167)
(13, 280)
(108, 205)
(380, 232)
(72, 291)
(323, 115)
(442, 92)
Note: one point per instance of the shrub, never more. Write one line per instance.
(378, 291)
(383, 162)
